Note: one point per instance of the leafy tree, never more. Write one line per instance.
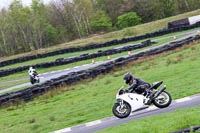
(167, 7)
(127, 20)
(19, 22)
(3, 37)
(186, 5)
(113, 8)
(194, 4)
(100, 21)
(149, 10)
(44, 34)
(63, 34)
(59, 15)
(51, 33)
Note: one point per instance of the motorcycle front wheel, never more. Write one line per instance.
(32, 81)
(163, 100)
(122, 111)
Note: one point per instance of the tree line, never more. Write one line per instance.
(27, 28)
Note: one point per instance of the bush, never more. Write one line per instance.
(127, 20)
(100, 21)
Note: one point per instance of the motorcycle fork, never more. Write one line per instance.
(121, 103)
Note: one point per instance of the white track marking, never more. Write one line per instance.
(86, 65)
(76, 66)
(52, 72)
(183, 99)
(93, 123)
(63, 130)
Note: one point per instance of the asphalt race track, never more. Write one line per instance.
(97, 125)
(47, 76)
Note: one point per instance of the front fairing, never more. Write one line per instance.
(136, 101)
(120, 92)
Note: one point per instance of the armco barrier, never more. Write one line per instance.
(100, 45)
(64, 61)
(29, 93)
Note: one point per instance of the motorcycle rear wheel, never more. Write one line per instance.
(163, 100)
(121, 112)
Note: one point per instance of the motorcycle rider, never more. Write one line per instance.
(32, 72)
(33, 75)
(136, 85)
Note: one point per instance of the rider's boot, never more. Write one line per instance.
(150, 95)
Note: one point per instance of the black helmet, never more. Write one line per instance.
(128, 77)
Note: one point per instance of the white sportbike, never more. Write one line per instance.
(131, 102)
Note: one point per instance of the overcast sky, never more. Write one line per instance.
(6, 3)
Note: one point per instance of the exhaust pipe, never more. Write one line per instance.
(160, 91)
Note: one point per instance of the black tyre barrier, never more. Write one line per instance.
(64, 61)
(31, 92)
(99, 45)
(188, 130)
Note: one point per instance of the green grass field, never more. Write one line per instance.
(164, 123)
(92, 99)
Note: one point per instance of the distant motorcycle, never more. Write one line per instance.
(34, 78)
(131, 102)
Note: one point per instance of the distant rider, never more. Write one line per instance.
(136, 85)
(32, 72)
